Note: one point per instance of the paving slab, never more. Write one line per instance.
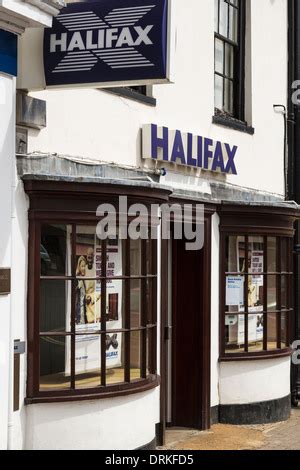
(279, 436)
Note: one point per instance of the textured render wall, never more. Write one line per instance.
(96, 125)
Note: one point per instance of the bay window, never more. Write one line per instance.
(92, 308)
(256, 308)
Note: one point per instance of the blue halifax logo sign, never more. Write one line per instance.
(108, 41)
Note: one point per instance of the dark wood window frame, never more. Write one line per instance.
(48, 210)
(258, 222)
(238, 77)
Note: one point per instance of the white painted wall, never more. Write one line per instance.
(215, 263)
(254, 381)
(96, 125)
(13, 254)
(16, 425)
(119, 424)
(7, 150)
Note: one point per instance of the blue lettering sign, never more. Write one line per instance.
(178, 150)
(188, 150)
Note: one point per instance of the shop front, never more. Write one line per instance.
(229, 315)
(146, 331)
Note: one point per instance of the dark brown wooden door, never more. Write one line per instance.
(187, 306)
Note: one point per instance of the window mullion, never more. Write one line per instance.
(127, 311)
(278, 292)
(143, 339)
(265, 290)
(153, 343)
(103, 312)
(241, 61)
(73, 312)
(289, 291)
(246, 292)
(35, 338)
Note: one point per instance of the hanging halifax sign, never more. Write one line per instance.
(187, 149)
(108, 41)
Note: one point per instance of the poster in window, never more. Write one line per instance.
(257, 266)
(88, 313)
(234, 291)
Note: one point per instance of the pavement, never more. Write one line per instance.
(279, 436)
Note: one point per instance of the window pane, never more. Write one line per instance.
(229, 60)
(223, 20)
(256, 280)
(135, 303)
(216, 15)
(151, 342)
(135, 257)
(54, 365)
(55, 306)
(234, 334)
(284, 255)
(87, 361)
(255, 332)
(150, 301)
(272, 255)
(272, 293)
(115, 304)
(135, 355)
(284, 292)
(255, 293)
(151, 257)
(55, 250)
(235, 254)
(228, 96)
(272, 331)
(88, 266)
(115, 370)
(233, 24)
(218, 92)
(256, 254)
(219, 56)
(284, 335)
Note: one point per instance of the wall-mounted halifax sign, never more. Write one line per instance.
(178, 148)
(108, 42)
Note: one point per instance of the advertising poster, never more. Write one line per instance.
(255, 330)
(257, 266)
(234, 291)
(88, 303)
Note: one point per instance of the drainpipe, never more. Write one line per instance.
(293, 179)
